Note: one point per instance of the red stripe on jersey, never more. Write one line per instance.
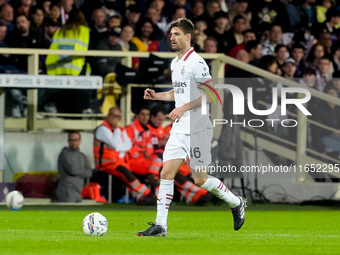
(191, 51)
(169, 195)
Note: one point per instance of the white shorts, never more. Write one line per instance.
(196, 146)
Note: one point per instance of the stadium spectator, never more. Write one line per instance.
(197, 11)
(23, 8)
(144, 37)
(308, 77)
(336, 56)
(240, 8)
(325, 40)
(115, 21)
(162, 20)
(275, 37)
(23, 36)
(105, 65)
(181, 4)
(65, 9)
(289, 68)
(99, 29)
(307, 12)
(210, 45)
(125, 39)
(254, 50)
(297, 52)
(322, 73)
(323, 140)
(316, 52)
(195, 39)
(235, 34)
(37, 20)
(152, 14)
(201, 25)
(322, 8)
(178, 14)
(110, 147)
(248, 35)
(293, 16)
(7, 17)
(46, 5)
(280, 53)
(219, 32)
(332, 19)
(50, 28)
(243, 56)
(212, 6)
(55, 13)
(73, 168)
(112, 8)
(132, 15)
(141, 158)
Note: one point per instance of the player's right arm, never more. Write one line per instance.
(150, 94)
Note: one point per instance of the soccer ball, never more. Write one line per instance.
(95, 224)
(14, 200)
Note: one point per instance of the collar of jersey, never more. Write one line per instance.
(187, 54)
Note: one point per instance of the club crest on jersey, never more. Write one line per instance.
(183, 70)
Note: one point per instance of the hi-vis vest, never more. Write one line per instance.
(104, 156)
(64, 64)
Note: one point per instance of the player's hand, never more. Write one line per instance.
(149, 94)
(177, 114)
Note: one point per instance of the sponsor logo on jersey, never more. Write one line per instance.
(177, 84)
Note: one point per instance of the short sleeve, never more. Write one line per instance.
(201, 70)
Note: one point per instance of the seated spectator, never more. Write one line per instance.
(316, 52)
(308, 77)
(297, 52)
(162, 20)
(210, 45)
(65, 9)
(55, 13)
(178, 14)
(153, 15)
(201, 25)
(50, 28)
(125, 39)
(289, 68)
(46, 5)
(37, 16)
(144, 37)
(336, 56)
(110, 147)
(219, 32)
(140, 155)
(105, 65)
(235, 34)
(280, 53)
(240, 8)
(212, 6)
(197, 11)
(307, 12)
(325, 40)
(322, 8)
(323, 140)
(322, 73)
(7, 17)
(195, 39)
(23, 7)
(6, 62)
(115, 21)
(248, 35)
(99, 30)
(254, 50)
(132, 15)
(332, 19)
(275, 37)
(73, 168)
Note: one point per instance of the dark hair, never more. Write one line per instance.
(156, 109)
(309, 71)
(279, 46)
(74, 132)
(211, 38)
(328, 87)
(141, 22)
(237, 17)
(76, 19)
(332, 12)
(185, 25)
(35, 8)
(249, 31)
(297, 46)
(252, 45)
(140, 108)
(324, 58)
(310, 57)
(267, 61)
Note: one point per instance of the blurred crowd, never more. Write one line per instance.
(293, 38)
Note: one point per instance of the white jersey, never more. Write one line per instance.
(191, 66)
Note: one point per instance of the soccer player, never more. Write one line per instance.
(187, 65)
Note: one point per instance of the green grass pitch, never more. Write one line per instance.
(269, 229)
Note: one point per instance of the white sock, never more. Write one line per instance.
(216, 187)
(164, 198)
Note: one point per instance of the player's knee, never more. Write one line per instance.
(200, 181)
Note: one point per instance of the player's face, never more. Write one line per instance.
(144, 116)
(74, 141)
(178, 39)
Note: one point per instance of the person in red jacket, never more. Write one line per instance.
(140, 155)
(110, 146)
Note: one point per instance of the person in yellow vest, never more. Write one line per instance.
(75, 36)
